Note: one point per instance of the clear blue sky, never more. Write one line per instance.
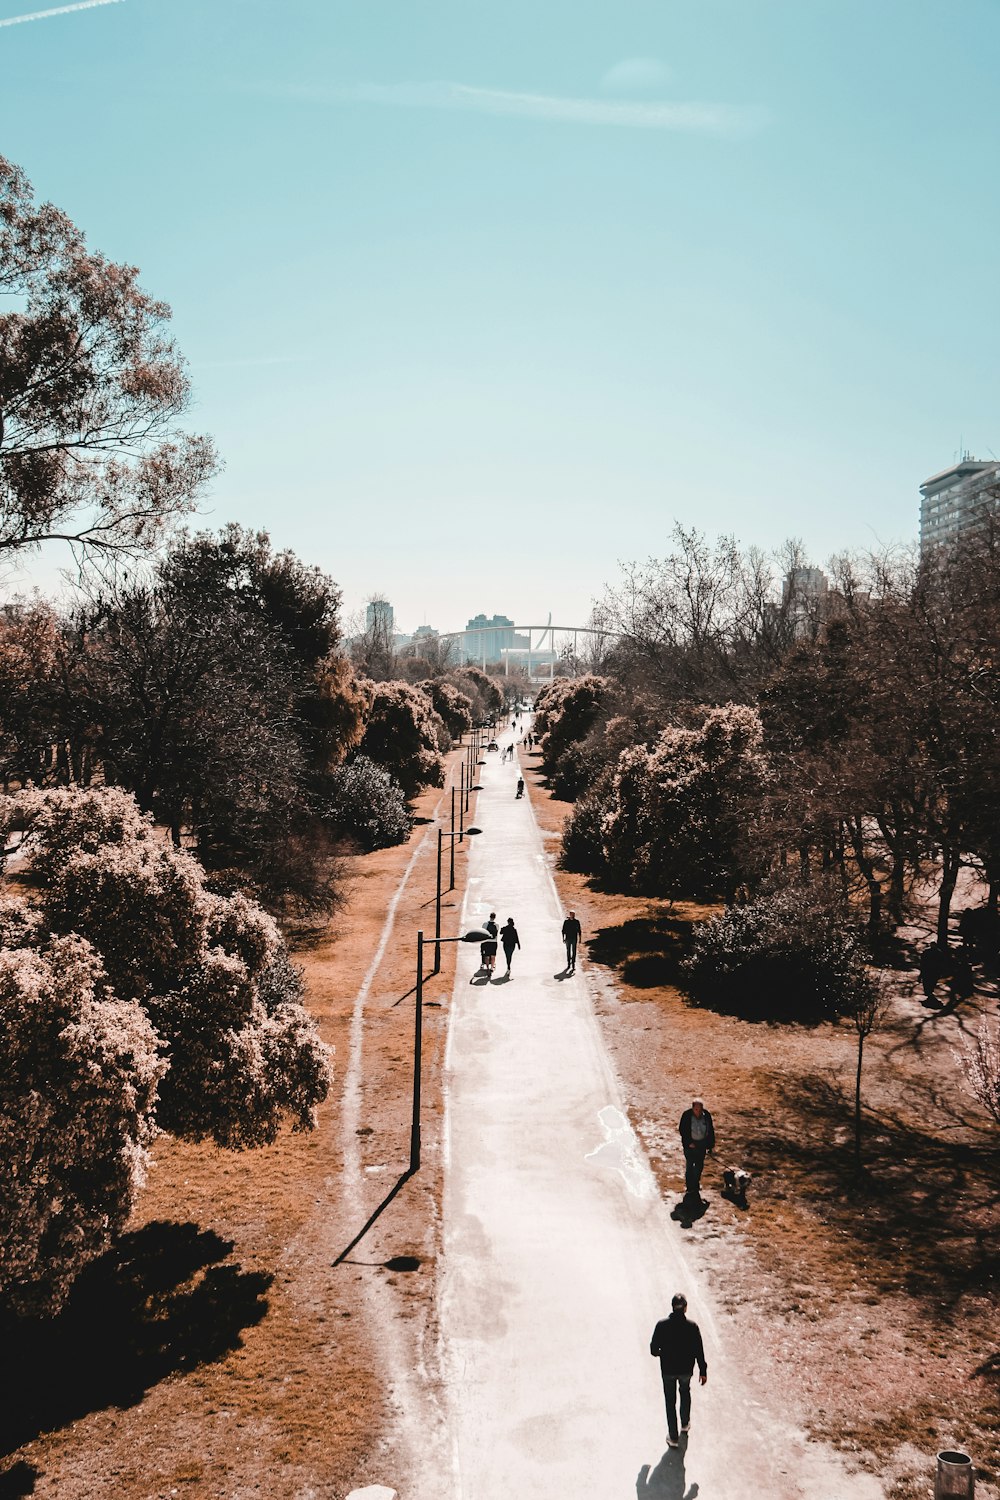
(474, 309)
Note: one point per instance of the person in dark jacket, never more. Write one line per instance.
(676, 1342)
(571, 933)
(488, 950)
(509, 939)
(698, 1139)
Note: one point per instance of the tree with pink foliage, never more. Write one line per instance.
(157, 1005)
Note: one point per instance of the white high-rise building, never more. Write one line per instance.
(954, 502)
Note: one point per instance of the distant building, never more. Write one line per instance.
(808, 600)
(954, 502)
(380, 618)
(425, 633)
(491, 638)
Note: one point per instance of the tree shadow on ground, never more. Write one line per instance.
(646, 951)
(18, 1481)
(923, 1212)
(158, 1302)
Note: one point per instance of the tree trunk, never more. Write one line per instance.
(857, 1104)
(993, 897)
(951, 863)
(897, 880)
(867, 868)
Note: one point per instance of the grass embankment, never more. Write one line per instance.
(869, 1306)
(221, 1351)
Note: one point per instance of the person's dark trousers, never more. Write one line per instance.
(670, 1385)
(694, 1159)
(571, 952)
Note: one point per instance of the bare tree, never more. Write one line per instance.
(980, 1060)
(866, 1010)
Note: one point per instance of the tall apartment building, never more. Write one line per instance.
(954, 502)
(381, 617)
(491, 637)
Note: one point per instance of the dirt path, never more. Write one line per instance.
(559, 1253)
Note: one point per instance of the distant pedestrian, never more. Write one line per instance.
(488, 950)
(509, 940)
(698, 1139)
(520, 786)
(571, 934)
(677, 1343)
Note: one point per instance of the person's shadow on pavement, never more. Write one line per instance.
(564, 973)
(667, 1480)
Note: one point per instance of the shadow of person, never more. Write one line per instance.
(667, 1481)
(563, 973)
(501, 979)
(161, 1300)
(480, 977)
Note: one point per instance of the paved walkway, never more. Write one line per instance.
(559, 1255)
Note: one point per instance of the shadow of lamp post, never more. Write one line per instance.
(476, 935)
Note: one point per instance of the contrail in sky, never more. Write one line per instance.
(59, 10)
(715, 119)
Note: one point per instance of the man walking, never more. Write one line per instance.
(676, 1342)
(572, 932)
(697, 1138)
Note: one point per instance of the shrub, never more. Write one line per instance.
(62, 821)
(454, 707)
(794, 955)
(681, 817)
(365, 803)
(196, 962)
(582, 847)
(566, 721)
(78, 1080)
(401, 735)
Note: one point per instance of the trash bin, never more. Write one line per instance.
(956, 1477)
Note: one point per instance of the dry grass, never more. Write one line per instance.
(870, 1304)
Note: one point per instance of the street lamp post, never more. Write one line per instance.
(438, 939)
(451, 862)
(477, 935)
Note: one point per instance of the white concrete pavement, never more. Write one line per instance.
(559, 1255)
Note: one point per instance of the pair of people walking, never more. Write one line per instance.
(505, 937)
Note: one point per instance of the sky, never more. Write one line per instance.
(479, 300)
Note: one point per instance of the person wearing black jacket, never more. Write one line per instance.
(571, 934)
(676, 1342)
(509, 940)
(698, 1139)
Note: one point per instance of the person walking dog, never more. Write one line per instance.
(571, 933)
(677, 1343)
(509, 940)
(698, 1139)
